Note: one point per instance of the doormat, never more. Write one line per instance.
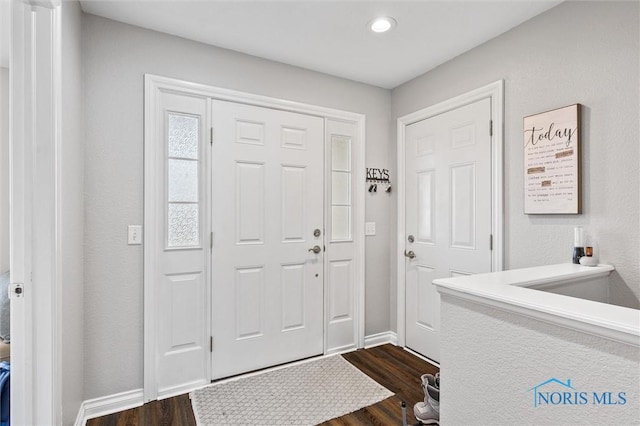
(303, 394)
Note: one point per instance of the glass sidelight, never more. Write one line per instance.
(341, 200)
(183, 224)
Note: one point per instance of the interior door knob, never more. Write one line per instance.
(410, 254)
(315, 249)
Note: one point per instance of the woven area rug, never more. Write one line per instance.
(303, 394)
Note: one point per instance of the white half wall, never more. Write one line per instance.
(491, 360)
(577, 52)
(116, 57)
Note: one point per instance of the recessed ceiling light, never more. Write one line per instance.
(382, 24)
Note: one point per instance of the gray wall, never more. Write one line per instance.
(116, 56)
(72, 160)
(578, 52)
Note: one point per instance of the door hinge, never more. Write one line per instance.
(211, 344)
(490, 127)
(491, 242)
(211, 136)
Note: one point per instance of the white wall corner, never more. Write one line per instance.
(378, 339)
(109, 404)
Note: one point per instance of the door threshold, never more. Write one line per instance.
(422, 357)
(268, 369)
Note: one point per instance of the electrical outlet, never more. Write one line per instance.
(135, 234)
(370, 228)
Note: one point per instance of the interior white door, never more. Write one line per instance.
(267, 201)
(448, 212)
(181, 243)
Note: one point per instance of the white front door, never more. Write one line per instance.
(267, 200)
(448, 212)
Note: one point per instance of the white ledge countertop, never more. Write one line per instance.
(507, 290)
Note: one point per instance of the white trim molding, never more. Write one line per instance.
(98, 407)
(35, 139)
(155, 84)
(378, 339)
(340, 350)
(495, 92)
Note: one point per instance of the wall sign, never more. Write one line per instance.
(552, 179)
(378, 176)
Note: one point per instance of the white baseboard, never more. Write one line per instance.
(104, 405)
(182, 389)
(341, 349)
(380, 339)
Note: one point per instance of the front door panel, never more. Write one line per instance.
(267, 199)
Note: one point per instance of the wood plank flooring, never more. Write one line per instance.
(394, 368)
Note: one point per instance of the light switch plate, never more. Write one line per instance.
(370, 228)
(134, 234)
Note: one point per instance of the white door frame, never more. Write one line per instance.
(35, 138)
(494, 91)
(154, 84)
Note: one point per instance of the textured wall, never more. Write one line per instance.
(72, 179)
(577, 52)
(116, 56)
(511, 354)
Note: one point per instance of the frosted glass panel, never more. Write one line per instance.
(183, 180)
(340, 223)
(183, 225)
(426, 206)
(340, 188)
(183, 136)
(340, 153)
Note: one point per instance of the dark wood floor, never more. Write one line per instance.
(394, 368)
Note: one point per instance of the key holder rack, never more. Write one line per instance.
(377, 177)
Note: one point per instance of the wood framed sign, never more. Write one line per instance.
(552, 178)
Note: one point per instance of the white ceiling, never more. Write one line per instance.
(324, 35)
(331, 36)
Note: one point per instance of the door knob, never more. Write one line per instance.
(315, 249)
(410, 254)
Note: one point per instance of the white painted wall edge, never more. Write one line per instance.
(110, 404)
(35, 147)
(508, 291)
